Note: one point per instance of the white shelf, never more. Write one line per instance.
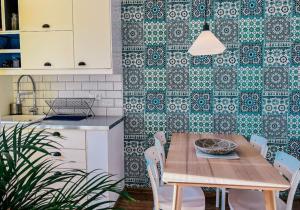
(9, 32)
(10, 51)
(20, 71)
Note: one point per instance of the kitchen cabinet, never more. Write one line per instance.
(44, 50)
(44, 15)
(92, 34)
(70, 37)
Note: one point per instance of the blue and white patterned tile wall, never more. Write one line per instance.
(253, 88)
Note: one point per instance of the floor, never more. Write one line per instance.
(144, 201)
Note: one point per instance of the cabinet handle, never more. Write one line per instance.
(81, 64)
(55, 154)
(56, 134)
(46, 26)
(47, 64)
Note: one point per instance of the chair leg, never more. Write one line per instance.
(223, 199)
(217, 197)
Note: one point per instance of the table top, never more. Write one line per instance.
(251, 171)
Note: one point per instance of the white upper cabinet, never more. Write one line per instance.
(43, 15)
(47, 50)
(92, 34)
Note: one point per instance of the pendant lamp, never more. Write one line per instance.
(206, 43)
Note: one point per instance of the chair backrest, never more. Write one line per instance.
(160, 140)
(289, 167)
(152, 160)
(161, 136)
(260, 144)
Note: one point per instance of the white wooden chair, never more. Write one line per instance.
(159, 142)
(261, 145)
(289, 167)
(192, 197)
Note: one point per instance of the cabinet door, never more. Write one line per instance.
(92, 34)
(41, 15)
(47, 50)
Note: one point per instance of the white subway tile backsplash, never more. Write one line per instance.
(65, 94)
(114, 94)
(73, 86)
(66, 78)
(49, 78)
(114, 111)
(106, 89)
(58, 86)
(118, 86)
(105, 86)
(118, 103)
(97, 78)
(114, 78)
(89, 86)
(81, 78)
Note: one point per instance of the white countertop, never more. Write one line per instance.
(103, 123)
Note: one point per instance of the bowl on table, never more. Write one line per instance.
(215, 146)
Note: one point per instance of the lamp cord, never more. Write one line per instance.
(206, 8)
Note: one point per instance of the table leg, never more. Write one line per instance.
(177, 197)
(270, 200)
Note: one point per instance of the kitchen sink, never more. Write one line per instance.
(21, 118)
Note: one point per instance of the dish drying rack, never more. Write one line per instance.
(71, 106)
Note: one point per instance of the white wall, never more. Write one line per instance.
(107, 89)
(6, 94)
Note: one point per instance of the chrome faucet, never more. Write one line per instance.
(33, 109)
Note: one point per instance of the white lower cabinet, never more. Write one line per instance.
(92, 150)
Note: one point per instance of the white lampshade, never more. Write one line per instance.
(206, 44)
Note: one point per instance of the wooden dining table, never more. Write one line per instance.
(250, 171)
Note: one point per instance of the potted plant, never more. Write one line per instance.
(28, 178)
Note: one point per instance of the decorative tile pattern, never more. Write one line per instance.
(156, 56)
(251, 29)
(250, 102)
(201, 123)
(251, 8)
(225, 79)
(200, 101)
(295, 103)
(178, 32)
(275, 104)
(227, 30)
(199, 7)
(178, 104)
(276, 78)
(177, 79)
(294, 148)
(277, 8)
(251, 54)
(178, 11)
(227, 9)
(155, 10)
(156, 101)
(225, 124)
(275, 126)
(252, 88)
(155, 33)
(277, 56)
(296, 54)
(178, 122)
(277, 29)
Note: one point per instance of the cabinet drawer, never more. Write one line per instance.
(41, 15)
(70, 159)
(47, 50)
(71, 139)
